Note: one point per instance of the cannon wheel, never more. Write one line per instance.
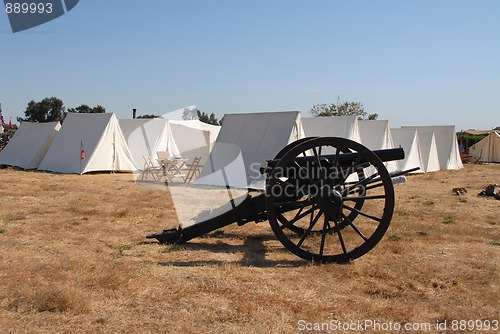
(322, 205)
(358, 205)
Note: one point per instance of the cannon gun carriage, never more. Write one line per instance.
(327, 199)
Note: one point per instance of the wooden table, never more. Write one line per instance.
(172, 168)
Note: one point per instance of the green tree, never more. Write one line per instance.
(213, 120)
(48, 110)
(6, 134)
(203, 117)
(149, 116)
(88, 110)
(344, 109)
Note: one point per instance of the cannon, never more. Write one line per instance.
(327, 199)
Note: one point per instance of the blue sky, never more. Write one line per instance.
(426, 62)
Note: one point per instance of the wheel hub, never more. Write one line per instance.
(330, 201)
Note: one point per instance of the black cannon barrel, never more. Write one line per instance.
(346, 159)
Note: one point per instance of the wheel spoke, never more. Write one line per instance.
(354, 227)
(308, 231)
(299, 217)
(362, 213)
(360, 183)
(323, 237)
(289, 206)
(337, 229)
(298, 212)
(318, 161)
(359, 198)
(302, 169)
(373, 186)
(337, 154)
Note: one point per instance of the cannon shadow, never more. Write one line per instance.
(253, 249)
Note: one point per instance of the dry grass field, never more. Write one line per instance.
(74, 259)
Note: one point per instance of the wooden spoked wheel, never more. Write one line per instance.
(329, 199)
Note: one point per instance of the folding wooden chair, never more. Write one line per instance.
(149, 168)
(193, 169)
(162, 155)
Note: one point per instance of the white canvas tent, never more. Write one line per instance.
(428, 150)
(244, 144)
(29, 144)
(486, 150)
(408, 139)
(446, 144)
(101, 138)
(194, 138)
(376, 135)
(148, 136)
(338, 126)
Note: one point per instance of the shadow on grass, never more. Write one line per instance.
(253, 248)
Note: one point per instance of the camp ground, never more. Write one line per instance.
(83, 240)
(30, 143)
(100, 142)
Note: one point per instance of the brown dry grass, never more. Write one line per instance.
(73, 258)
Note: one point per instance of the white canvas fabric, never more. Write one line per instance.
(194, 138)
(428, 150)
(99, 135)
(244, 144)
(338, 126)
(376, 135)
(408, 139)
(486, 150)
(147, 137)
(29, 144)
(446, 144)
(178, 114)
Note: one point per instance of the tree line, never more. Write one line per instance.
(51, 109)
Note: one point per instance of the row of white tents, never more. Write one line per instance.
(109, 144)
(487, 149)
(260, 136)
(100, 142)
